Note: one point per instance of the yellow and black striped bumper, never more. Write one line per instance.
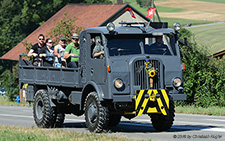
(144, 98)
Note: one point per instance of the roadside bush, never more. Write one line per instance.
(204, 78)
(9, 80)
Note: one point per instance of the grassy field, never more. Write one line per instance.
(217, 1)
(170, 21)
(9, 133)
(211, 36)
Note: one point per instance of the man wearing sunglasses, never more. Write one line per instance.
(38, 50)
(72, 52)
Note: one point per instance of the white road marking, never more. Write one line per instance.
(22, 116)
(223, 120)
(215, 129)
(197, 123)
(75, 120)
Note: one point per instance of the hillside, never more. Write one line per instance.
(206, 10)
(194, 12)
(210, 36)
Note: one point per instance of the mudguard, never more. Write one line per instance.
(144, 98)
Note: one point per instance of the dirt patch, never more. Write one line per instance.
(195, 10)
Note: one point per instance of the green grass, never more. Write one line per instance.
(26, 134)
(183, 22)
(169, 9)
(210, 36)
(4, 101)
(216, 111)
(215, 1)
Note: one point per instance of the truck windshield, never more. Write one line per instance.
(124, 45)
(131, 44)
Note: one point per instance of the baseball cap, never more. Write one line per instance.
(62, 38)
(75, 36)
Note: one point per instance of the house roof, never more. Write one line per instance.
(86, 16)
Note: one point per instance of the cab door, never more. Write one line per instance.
(96, 68)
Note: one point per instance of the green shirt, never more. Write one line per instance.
(72, 49)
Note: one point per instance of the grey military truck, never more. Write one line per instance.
(133, 78)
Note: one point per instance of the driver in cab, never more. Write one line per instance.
(159, 47)
(98, 51)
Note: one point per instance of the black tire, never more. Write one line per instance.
(96, 115)
(161, 122)
(42, 110)
(114, 120)
(58, 120)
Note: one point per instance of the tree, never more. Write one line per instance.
(97, 1)
(9, 80)
(65, 27)
(144, 3)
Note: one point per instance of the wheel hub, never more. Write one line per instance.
(92, 112)
(39, 109)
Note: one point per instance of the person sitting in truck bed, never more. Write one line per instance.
(72, 52)
(38, 51)
(59, 52)
(98, 51)
(158, 47)
(49, 60)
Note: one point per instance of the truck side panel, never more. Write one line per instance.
(50, 76)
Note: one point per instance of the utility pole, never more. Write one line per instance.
(156, 12)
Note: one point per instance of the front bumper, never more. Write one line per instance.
(151, 101)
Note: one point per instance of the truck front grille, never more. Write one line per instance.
(142, 79)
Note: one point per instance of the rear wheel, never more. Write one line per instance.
(161, 122)
(42, 110)
(96, 115)
(58, 119)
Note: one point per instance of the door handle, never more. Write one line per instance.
(92, 70)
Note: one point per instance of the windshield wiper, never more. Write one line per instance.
(124, 50)
(163, 49)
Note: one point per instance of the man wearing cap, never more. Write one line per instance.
(72, 52)
(59, 52)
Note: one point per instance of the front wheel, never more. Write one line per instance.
(96, 115)
(161, 122)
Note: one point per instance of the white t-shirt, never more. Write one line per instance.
(61, 51)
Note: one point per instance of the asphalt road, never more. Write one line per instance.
(186, 126)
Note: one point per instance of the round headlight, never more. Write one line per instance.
(177, 82)
(110, 27)
(176, 26)
(118, 83)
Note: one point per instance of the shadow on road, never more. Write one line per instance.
(128, 126)
(74, 125)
